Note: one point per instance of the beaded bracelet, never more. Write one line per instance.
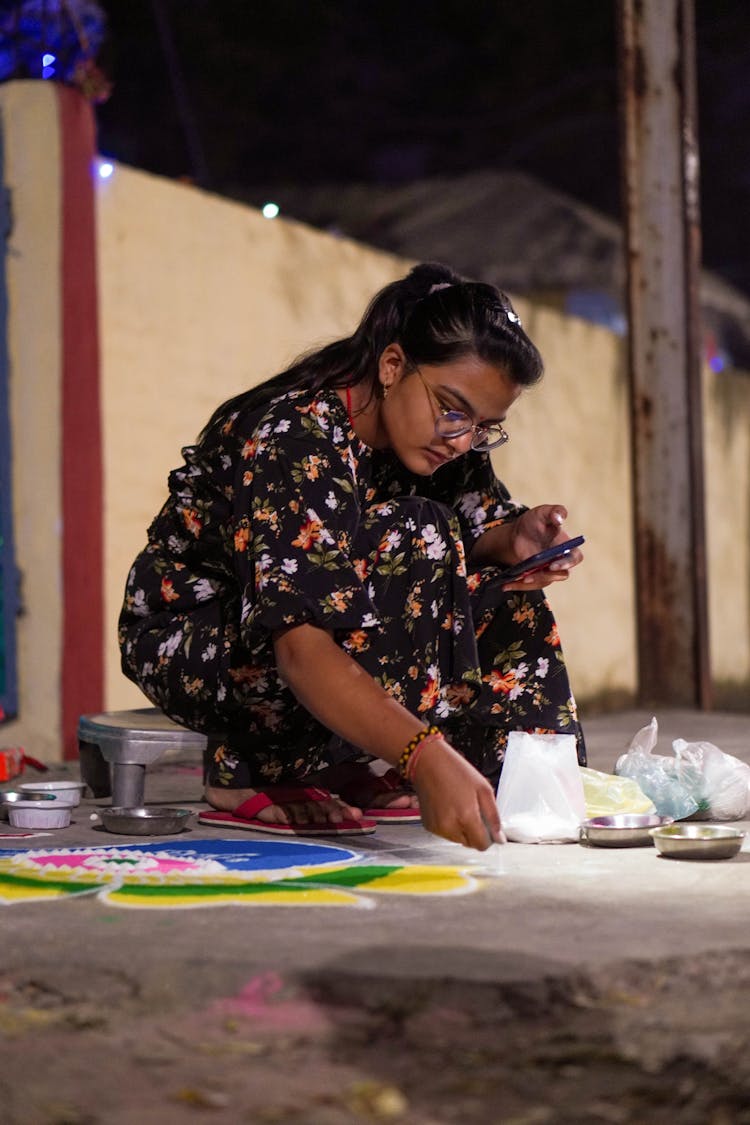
(412, 763)
(403, 762)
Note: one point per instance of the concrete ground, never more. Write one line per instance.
(577, 984)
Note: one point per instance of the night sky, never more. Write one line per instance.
(241, 96)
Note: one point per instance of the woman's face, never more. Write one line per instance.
(414, 401)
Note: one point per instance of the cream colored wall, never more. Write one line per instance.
(32, 263)
(727, 493)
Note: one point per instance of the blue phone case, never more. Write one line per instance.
(540, 560)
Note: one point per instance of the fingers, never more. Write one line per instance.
(456, 802)
(550, 516)
(480, 828)
(538, 580)
(490, 816)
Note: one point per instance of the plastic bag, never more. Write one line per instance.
(724, 791)
(671, 784)
(607, 794)
(700, 781)
(540, 794)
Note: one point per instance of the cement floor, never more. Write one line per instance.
(612, 967)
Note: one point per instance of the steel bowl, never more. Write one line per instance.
(149, 821)
(622, 830)
(698, 841)
(13, 796)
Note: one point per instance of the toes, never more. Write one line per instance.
(399, 801)
(310, 812)
(275, 813)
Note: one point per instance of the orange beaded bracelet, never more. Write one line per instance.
(411, 765)
(403, 763)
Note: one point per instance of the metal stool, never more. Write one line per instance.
(116, 746)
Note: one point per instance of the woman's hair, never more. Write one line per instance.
(435, 315)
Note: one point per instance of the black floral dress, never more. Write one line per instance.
(281, 516)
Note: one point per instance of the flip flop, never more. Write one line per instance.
(360, 793)
(245, 816)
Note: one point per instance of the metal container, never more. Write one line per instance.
(13, 796)
(698, 841)
(66, 792)
(622, 830)
(146, 821)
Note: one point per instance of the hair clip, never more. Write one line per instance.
(439, 285)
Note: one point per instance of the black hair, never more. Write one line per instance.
(434, 314)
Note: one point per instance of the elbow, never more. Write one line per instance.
(295, 648)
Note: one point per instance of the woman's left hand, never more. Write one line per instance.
(535, 530)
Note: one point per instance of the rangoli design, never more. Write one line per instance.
(216, 873)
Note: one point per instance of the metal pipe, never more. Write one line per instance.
(659, 160)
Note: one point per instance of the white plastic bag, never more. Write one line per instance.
(540, 795)
(724, 788)
(700, 781)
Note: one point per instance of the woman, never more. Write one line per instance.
(323, 588)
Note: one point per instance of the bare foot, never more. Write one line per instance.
(331, 811)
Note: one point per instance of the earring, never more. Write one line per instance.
(384, 392)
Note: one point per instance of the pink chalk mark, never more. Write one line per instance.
(262, 1000)
(21, 835)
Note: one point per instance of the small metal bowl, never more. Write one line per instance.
(13, 796)
(151, 821)
(698, 841)
(622, 830)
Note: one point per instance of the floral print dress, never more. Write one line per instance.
(279, 516)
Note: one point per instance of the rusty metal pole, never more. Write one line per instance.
(661, 202)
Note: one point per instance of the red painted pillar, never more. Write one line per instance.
(82, 687)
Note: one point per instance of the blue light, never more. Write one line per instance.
(105, 168)
(48, 72)
(717, 363)
(48, 60)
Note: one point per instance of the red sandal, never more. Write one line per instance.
(361, 791)
(245, 816)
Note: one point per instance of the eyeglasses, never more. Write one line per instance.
(452, 424)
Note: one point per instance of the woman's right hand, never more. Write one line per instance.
(455, 801)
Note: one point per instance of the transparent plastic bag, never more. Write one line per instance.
(606, 794)
(669, 782)
(540, 795)
(724, 791)
(700, 781)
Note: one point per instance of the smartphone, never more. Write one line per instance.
(542, 560)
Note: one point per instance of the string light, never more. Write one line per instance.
(104, 169)
(270, 210)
